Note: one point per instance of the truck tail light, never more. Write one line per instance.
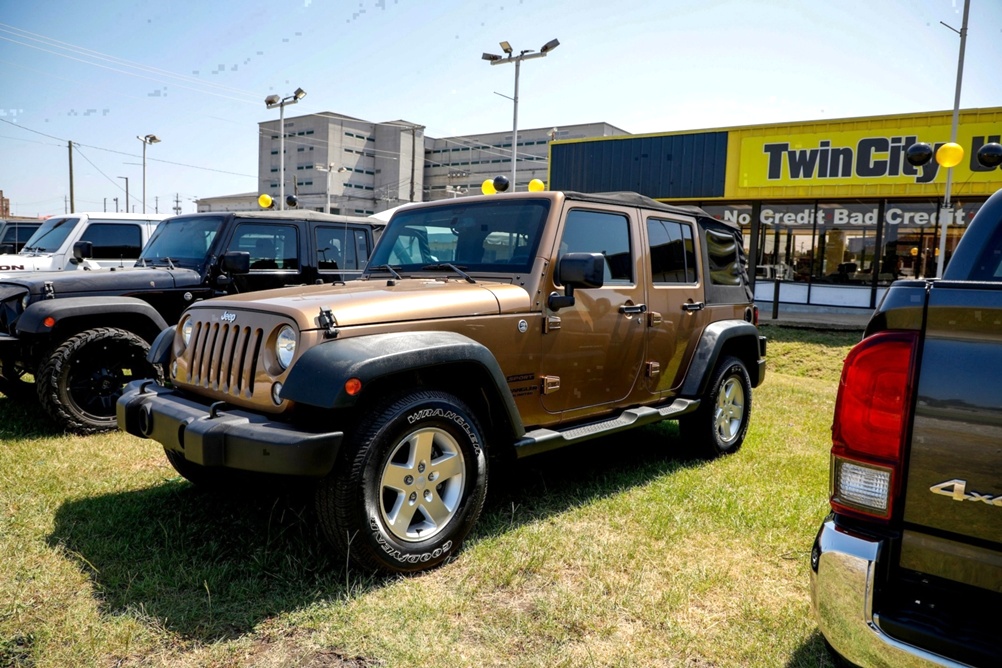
(872, 414)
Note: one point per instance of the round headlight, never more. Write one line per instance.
(186, 331)
(285, 346)
(25, 300)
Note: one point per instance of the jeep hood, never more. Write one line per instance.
(373, 302)
(111, 281)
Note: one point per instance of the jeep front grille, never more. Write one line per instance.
(223, 357)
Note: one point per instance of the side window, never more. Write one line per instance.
(113, 241)
(270, 246)
(673, 256)
(722, 251)
(341, 248)
(601, 232)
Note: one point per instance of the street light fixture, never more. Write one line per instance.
(528, 54)
(329, 168)
(271, 102)
(126, 192)
(148, 139)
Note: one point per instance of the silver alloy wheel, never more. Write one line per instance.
(421, 484)
(730, 411)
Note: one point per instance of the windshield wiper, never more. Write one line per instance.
(448, 265)
(385, 267)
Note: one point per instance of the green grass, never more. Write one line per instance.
(620, 552)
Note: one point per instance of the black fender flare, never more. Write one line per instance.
(318, 377)
(161, 348)
(32, 321)
(708, 351)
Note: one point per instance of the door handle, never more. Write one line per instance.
(697, 306)
(630, 310)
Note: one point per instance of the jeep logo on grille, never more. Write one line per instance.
(228, 317)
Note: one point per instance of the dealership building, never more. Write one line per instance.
(832, 212)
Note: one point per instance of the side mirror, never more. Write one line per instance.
(82, 250)
(235, 262)
(577, 270)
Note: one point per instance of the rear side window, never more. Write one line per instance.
(673, 255)
(601, 232)
(341, 247)
(725, 264)
(270, 246)
(113, 241)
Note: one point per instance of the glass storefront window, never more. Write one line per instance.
(836, 242)
(912, 234)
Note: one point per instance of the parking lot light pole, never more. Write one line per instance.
(271, 102)
(528, 54)
(147, 140)
(329, 168)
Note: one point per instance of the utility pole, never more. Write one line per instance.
(106, 205)
(70, 146)
(156, 204)
(177, 204)
(116, 204)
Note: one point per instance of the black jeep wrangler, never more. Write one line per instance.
(76, 338)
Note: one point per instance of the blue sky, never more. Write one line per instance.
(196, 75)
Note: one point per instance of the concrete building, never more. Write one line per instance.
(362, 167)
(366, 167)
(456, 166)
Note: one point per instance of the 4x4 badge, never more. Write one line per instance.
(957, 490)
(228, 317)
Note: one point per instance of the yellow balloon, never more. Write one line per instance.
(265, 201)
(487, 187)
(536, 185)
(950, 154)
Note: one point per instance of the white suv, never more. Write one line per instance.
(83, 241)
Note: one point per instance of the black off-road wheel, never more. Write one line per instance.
(409, 486)
(719, 425)
(82, 379)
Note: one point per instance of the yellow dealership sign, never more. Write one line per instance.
(862, 157)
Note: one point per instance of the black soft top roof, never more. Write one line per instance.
(626, 198)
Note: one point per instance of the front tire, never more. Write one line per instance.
(80, 382)
(409, 486)
(719, 425)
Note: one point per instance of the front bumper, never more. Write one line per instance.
(843, 572)
(217, 436)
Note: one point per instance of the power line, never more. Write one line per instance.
(131, 155)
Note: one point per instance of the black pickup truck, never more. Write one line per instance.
(907, 568)
(83, 335)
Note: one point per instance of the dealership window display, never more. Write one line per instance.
(837, 242)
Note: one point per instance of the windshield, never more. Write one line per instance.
(181, 241)
(495, 236)
(50, 236)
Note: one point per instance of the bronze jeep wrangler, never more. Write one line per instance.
(483, 327)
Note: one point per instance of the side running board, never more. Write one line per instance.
(541, 440)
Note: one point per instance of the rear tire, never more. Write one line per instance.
(409, 485)
(82, 379)
(719, 425)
